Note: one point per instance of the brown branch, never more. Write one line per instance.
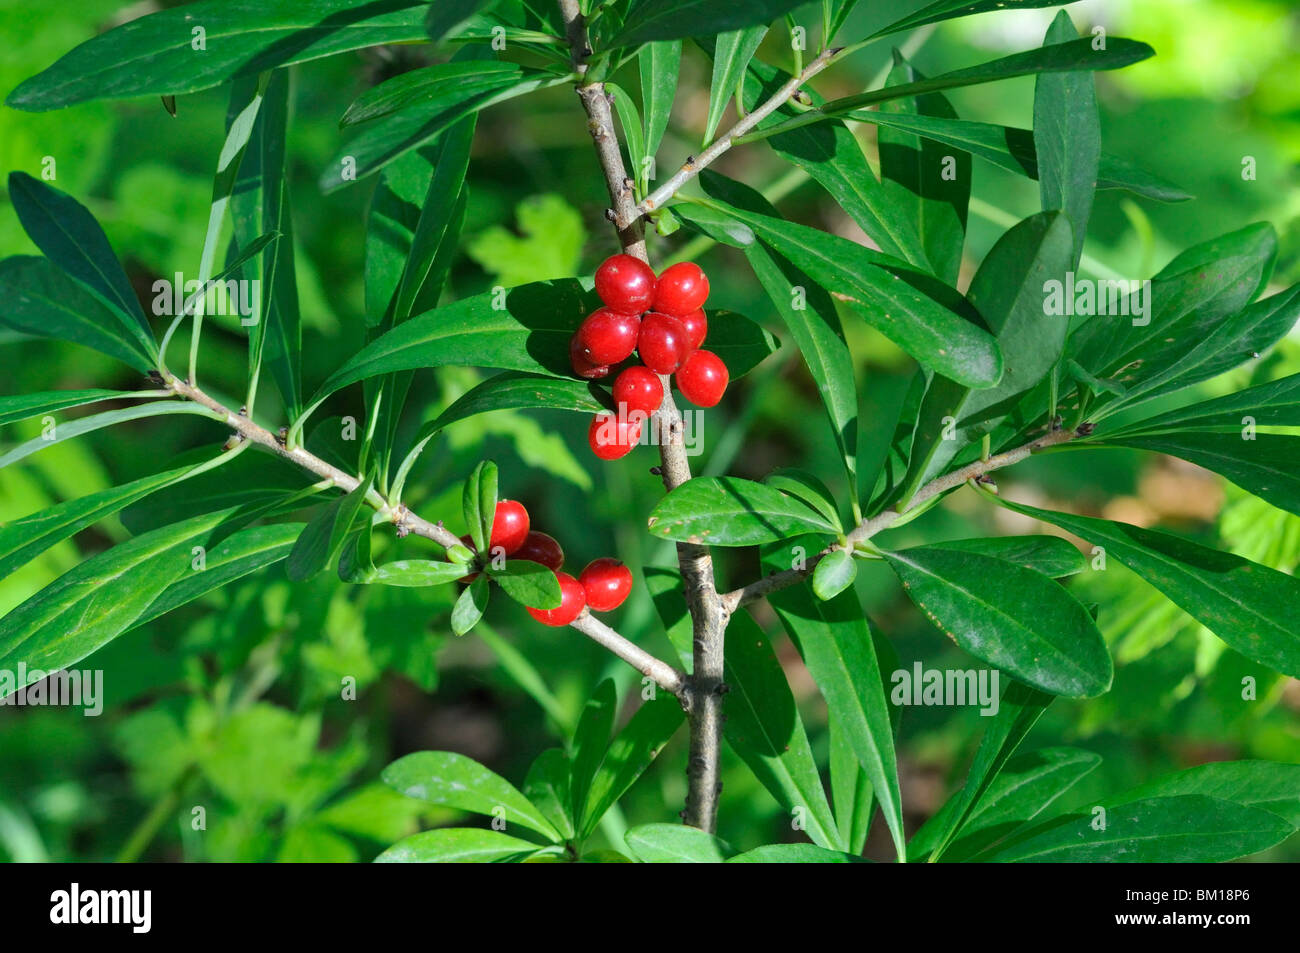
(702, 696)
(668, 678)
(882, 521)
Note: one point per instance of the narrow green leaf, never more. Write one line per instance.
(764, 728)
(547, 787)
(160, 55)
(659, 64)
(1189, 828)
(1067, 138)
(1049, 555)
(469, 608)
(453, 780)
(631, 752)
(83, 425)
(445, 16)
(1249, 606)
(629, 119)
(649, 20)
(25, 406)
(728, 511)
(940, 10)
(45, 302)
(673, 844)
(731, 55)
(795, 854)
(1276, 403)
(808, 488)
(528, 583)
(323, 538)
(68, 234)
(1009, 616)
(591, 741)
(458, 845)
(1267, 785)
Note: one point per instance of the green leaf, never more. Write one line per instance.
(631, 752)
(830, 153)
(68, 234)
(1276, 403)
(82, 425)
(453, 845)
(764, 728)
(808, 488)
(1007, 291)
(453, 780)
(673, 844)
(1188, 828)
(1267, 785)
(21, 540)
(835, 572)
(157, 55)
(445, 15)
(1049, 555)
(728, 511)
(795, 854)
(528, 583)
(547, 787)
(1019, 710)
(1026, 787)
(45, 302)
(659, 64)
(1011, 617)
(1059, 57)
(932, 182)
(423, 115)
(649, 20)
(323, 538)
(731, 55)
(1067, 138)
(835, 639)
(518, 391)
(1013, 149)
(633, 135)
(469, 608)
(590, 742)
(1263, 464)
(259, 205)
(102, 597)
(479, 503)
(413, 573)
(1249, 606)
(913, 320)
(25, 406)
(941, 10)
(234, 557)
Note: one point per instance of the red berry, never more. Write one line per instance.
(697, 326)
(606, 582)
(662, 343)
(572, 601)
(703, 378)
(583, 367)
(509, 526)
(607, 336)
(541, 548)
(638, 389)
(614, 435)
(682, 288)
(626, 284)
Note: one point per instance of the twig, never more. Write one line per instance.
(702, 694)
(407, 522)
(883, 520)
(694, 165)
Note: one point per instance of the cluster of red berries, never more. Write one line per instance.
(662, 319)
(602, 586)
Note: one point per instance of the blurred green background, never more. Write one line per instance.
(232, 705)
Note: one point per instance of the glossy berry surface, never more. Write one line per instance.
(541, 548)
(614, 435)
(682, 288)
(638, 389)
(607, 336)
(697, 327)
(703, 379)
(583, 367)
(572, 601)
(606, 583)
(662, 343)
(625, 283)
(509, 526)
